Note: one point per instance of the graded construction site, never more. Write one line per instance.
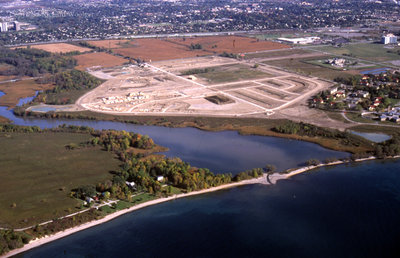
(210, 86)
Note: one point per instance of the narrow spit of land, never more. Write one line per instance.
(266, 179)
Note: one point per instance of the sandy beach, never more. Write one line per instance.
(38, 242)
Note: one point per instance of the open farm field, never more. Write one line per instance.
(229, 44)
(303, 67)
(38, 173)
(20, 89)
(59, 48)
(371, 52)
(100, 59)
(157, 50)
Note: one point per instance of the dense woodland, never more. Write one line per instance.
(67, 81)
(33, 62)
(304, 129)
(10, 240)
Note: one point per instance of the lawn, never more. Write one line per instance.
(231, 73)
(377, 129)
(37, 174)
(371, 52)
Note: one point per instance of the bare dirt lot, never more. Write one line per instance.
(217, 87)
(59, 48)
(100, 59)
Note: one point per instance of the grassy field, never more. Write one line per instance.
(37, 173)
(377, 129)
(356, 117)
(303, 66)
(336, 116)
(231, 73)
(277, 53)
(21, 89)
(371, 52)
(358, 67)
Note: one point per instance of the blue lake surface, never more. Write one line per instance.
(221, 152)
(344, 211)
(376, 71)
(374, 137)
(26, 100)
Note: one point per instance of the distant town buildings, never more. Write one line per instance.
(6, 26)
(389, 39)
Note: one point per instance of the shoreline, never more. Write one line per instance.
(266, 179)
(241, 125)
(47, 239)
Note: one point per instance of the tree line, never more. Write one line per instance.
(67, 81)
(143, 170)
(33, 62)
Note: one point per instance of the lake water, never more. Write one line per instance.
(344, 211)
(221, 152)
(26, 100)
(376, 71)
(374, 137)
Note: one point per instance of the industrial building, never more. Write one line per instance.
(3, 26)
(301, 41)
(13, 25)
(389, 39)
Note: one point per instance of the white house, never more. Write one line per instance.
(130, 184)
